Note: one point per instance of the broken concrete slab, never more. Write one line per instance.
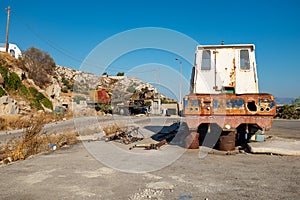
(276, 145)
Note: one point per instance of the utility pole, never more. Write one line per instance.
(180, 81)
(158, 87)
(180, 84)
(7, 29)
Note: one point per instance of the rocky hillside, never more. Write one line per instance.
(20, 94)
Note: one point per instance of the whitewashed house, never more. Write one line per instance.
(12, 49)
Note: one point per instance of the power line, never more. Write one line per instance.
(68, 54)
(58, 48)
(48, 42)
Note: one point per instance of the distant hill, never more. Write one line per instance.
(283, 100)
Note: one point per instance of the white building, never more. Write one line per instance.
(12, 49)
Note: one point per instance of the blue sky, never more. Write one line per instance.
(70, 30)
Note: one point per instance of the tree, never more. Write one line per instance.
(290, 112)
(39, 65)
(296, 101)
(120, 74)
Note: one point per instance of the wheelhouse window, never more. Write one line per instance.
(244, 60)
(206, 60)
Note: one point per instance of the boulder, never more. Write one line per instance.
(8, 106)
(53, 91)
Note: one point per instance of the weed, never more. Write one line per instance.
(47, 103)
(2, 92)
(35, 140)
(4, 72)
(23, 91)
(112, 129)
(13, 82)
(29, 144)
(2, 124)
(34, 103)
(38, 98)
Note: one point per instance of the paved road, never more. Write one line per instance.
(285, 129)
(73, 173)
(78, 173)
(87, 125)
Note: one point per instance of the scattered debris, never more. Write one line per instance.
(115, 133)
(185, 197)
(150, 146)
(52, 146)
(148, 194)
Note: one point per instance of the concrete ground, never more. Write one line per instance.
(77, 172)
(73, 173)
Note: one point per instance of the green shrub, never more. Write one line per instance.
(131, 89)
(23, 91)
(2, 92)
(13, 82)
(34, 92)
(38, 99)
(77, 99)
(148, 104)
(67, 83)
(168, 101)
(4, 72)
(34, 103)
(40, 96)
(290, 112)
(70, 87)
(47, 103)
(296, 101)
(64, 89)
(104, 107)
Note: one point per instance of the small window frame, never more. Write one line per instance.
(244, 65)
(206, 56)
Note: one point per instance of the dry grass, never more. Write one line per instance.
(13, 122)
(29, 144)
(2, 124)
(113, 129)
(7, 60)
(33, 141)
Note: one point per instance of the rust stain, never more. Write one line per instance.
(232, 74)
(233, 108)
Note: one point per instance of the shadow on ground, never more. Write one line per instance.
(175, 134)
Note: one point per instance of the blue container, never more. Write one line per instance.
(260, 138)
